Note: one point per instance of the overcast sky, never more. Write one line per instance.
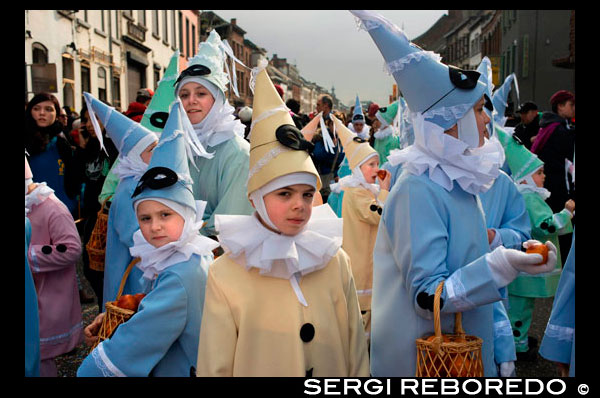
(327, 48)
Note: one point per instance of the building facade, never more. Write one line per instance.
(108, 53)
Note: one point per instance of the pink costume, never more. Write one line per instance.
(53, 253)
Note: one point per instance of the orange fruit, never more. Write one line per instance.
(539, 248)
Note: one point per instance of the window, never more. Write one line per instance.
(181, 33)
(115, 23)
(187, 38)
(142, 17)
(165, 26)
(116, 92)
(102, 84)
(193, 40)
(68, 82)
(173, 30)
(40, 53)
(102, 21)
(85, 78)
(155, 23)
(156, 78)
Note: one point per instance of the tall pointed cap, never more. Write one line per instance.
(441, 93)
(358, 115)
(277, 147)
(500, 98)
(168, 174)
(311, 127)
(521, 161)
(387, 114)
(157, 112)
(124, 132)
(355, 148)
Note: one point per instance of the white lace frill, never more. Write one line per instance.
(251, 245)
(448, 159)
(37, 196)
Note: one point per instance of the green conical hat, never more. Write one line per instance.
(163, 97)
(387, 114)
(521, 161)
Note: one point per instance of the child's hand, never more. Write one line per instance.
(387, 181)
(91, 331)
(491, 235)
(570, 205)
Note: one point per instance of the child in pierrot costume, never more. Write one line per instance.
(362, 205)
(161, 338)
(432, 228)
(281, 300)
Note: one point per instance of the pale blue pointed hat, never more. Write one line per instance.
(124, 132)
(358, 115)
(485, 68)
(168, 174)
(500, 98)
(441, 93)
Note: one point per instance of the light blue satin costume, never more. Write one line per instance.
(335, 199)
(222, 181)
(32, 320)
(505, 211)
(427, 235)
(161, 339)
(122, 223)
(558, 344)
(395, 171)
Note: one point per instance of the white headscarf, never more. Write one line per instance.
(39, 194)
(155, 260)
(355, 179)
(220, 124)
(132, 165)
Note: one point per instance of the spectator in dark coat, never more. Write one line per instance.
(529, 125)
(555, 146)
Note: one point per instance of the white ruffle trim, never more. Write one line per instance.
(37, 196)
(250, 244)
(448, 159)
(398, 64)
(385, 132)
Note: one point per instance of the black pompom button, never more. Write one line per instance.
(307, 332)
(192, 371)
(544, 225)
(46, 249)
(61, 248)
(516, 333)
(518, 324)
(309, 372)
(551, 229)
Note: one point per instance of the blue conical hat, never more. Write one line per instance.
(500, 98)
(521, 161)
(358, 115)
(485, 68)
(170, 153)
(426, 83)
(158, 108)
(124, 132)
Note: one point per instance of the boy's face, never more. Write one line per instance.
(290, 208)
(539, 177)
(370, 169)
(358, 127)
(159, 223)
(482, 119)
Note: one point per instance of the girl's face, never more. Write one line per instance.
(370, 169)
(146, 155)
(358, 127)
(197, 101)
(88, 124)
(159, 223)
(290, 208)
(539, 177)
(482, 119)
(44, 113)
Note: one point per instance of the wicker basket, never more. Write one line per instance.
(96, 246)
(449, 355)
(115, 315)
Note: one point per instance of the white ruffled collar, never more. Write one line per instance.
(155, 260)
(251, 245)
(352, 181)
(40, 193)
(448, 159)
(219, 125)
(384, 132)
(128, 167)
(528, 188)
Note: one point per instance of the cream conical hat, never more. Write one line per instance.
(311, 127)
(355, 148)
(270, 159)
